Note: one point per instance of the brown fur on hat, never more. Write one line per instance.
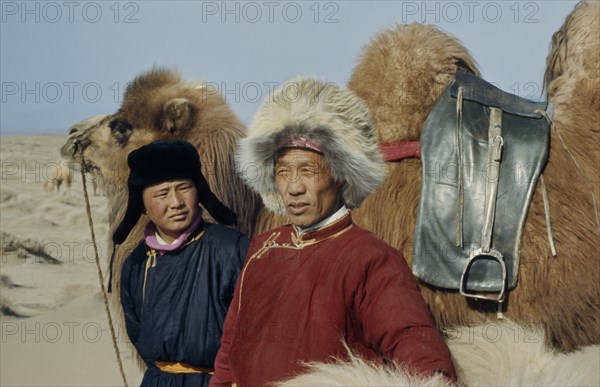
(333, 117)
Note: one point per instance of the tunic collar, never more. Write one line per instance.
(331, 229)
(330, 219)
(150, 234)
(299, 241)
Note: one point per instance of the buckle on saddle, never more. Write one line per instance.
(480, 254)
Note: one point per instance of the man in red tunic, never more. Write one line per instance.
(311, 288)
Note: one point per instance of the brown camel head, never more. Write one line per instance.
(157, 105)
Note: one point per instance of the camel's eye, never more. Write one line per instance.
(121, 130)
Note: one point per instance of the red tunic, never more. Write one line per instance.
(300, 297)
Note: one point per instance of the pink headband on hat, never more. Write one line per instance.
(304, 143)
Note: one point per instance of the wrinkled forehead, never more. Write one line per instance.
(295, 157)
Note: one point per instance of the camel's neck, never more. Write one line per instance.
(117, 203)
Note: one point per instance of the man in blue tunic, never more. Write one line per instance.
(177, 284)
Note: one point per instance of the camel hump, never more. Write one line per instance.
(402, 71)
(575, 47)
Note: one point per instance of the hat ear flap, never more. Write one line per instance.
(213, 205)
(178, 115)
(135, 208)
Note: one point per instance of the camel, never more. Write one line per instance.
(556, 301)
(57, 174)
(400, 75)
(492, 354)
(97, 183)
(572, 80)
(159, 105)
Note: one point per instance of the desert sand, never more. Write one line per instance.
(54, 326)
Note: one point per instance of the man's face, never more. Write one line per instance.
(172, 206)
(303, 179)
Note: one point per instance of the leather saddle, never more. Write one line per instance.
(482, 152)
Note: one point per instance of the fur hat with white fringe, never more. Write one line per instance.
(319, 116)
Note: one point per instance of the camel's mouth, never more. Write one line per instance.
(71, 151)
(87, 166)
(78, 139)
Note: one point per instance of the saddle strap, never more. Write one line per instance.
(458, 226)
(399, 150)
(495, 143)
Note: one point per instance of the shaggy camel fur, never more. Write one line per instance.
(502, 353)
(400, 75)
(358, 372)
(573, 183)
(490, 354)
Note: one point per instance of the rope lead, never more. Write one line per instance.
(100, 276)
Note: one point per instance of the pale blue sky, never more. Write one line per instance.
(62, 61)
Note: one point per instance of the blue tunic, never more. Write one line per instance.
(175, 304)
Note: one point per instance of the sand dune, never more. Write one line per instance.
(54, 328)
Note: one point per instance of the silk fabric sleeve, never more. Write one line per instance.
(395, 318)
(132, 321)
(223, 375)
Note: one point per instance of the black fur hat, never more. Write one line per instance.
(162, 161)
